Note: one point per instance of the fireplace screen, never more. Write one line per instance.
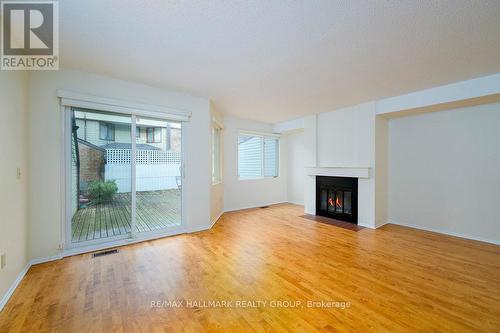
(337, 201)
(336, 198)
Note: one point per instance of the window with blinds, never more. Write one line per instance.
(258, 156)
(271, 157)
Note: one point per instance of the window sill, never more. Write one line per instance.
(257, 178)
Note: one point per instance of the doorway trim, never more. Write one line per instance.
(68, 100)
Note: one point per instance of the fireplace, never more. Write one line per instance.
(337, 197)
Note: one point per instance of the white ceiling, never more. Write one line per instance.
(274, 60)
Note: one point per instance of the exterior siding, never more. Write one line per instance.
(88, 130)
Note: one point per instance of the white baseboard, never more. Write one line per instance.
(365, 225)
(14, 285)
(46, 259)
(198, 229)
(446, 232)
(233, 209)
(295, 203)
(216, 219)
(381, 224)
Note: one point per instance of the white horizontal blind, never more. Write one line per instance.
(258, 156)
(250, 159)
(271, 147)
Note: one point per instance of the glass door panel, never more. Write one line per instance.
(100, 176)
(158, 174)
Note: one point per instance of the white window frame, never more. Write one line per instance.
(68, 100)
(217, 126)
(107, 126)
(263, 136)
(154, 130)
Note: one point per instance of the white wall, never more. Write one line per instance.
(14, 192)
(45, 148)
(295, 168)
(381, 171)
(445, 171)
(310, 160)
(239, 194)
(345, 136)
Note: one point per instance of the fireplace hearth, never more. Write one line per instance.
(337, 197)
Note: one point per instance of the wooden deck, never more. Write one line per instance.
(155, 210)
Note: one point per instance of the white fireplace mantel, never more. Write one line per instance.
(355, 172)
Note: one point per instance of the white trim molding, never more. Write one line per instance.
(73, 99)
(234, 209)
(381, 224)
(217, 124)
(245, 132)
(477, 91)
(366, 225)
(216, 219)
(355, 172)
(70, 99)
(446, 232)
(37, 261)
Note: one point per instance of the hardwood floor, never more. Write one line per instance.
(394, 279)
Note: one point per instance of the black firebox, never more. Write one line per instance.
(337, 197)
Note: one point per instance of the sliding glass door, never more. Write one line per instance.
(158, 174)
(125, 176)
(101, 176)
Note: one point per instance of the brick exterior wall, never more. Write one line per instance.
(91, 165)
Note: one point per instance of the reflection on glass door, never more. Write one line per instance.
(100, 176)
(158, 175)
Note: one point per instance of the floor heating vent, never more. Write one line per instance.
(104, 253)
